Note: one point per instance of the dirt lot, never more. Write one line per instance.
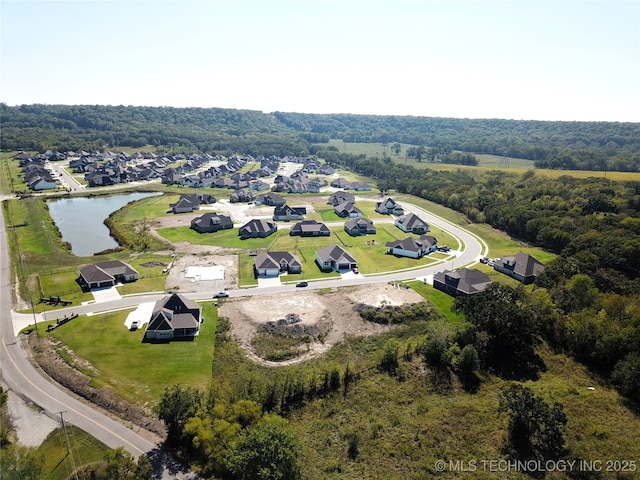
(177, 281)
(334, 312)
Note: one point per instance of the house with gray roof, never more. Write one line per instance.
(106, 274)
(271, 199)
(359, 186)
(286, 213)
(359, 226)
(310, 228)
(174, 317)
(411, 223)
(190, 202)
(347, 209)
(388, 206)
(413, 247)
(211, 222)
(257, 228)
(335, 258)
(341, 196)
(463, 282)
(340, 183)
(272, 264)
(521, 266)
(241, 196)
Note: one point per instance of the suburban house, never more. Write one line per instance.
(347, 209)
(389, 207)
(413, 247)
(106, 274)
(334, 257)
(174, 317)
(189, 203)
(359, 226)
(310, 228)
(340, 183)
(360, 186)
(521, 266)
(339, 197)
(272, 264)
(271, 199)
(45, 182)
(463, 282)
(241, 196)
(411, 223)
(286, 213)
(211, 222)
(257, 228)
(325, 170)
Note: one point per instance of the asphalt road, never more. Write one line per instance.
(24, 380)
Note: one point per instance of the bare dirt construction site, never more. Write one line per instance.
(333, 316)
(177, 279)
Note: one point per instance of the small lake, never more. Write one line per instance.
(81, 220)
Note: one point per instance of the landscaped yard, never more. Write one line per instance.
(137, 371)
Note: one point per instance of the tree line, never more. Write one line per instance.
(98, 127)
(559, 145)
(589, 295)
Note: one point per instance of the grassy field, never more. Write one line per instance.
(85, 450)
(368, 250)
(137, 371)
(485, 162)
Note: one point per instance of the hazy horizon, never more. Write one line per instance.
(532, 60)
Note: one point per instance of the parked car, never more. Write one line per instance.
(444, 248)
(221, 295)
(134, 325)
(484, 260)
(355, 270)
(302, 284)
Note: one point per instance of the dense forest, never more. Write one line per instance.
(95, 127)
(590, 293)
(560, 145)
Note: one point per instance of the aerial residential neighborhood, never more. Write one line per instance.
(320, 240)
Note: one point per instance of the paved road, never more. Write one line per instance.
(471, 248)
(67, 180)
(24, 380)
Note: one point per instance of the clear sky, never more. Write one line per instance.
(539, 60)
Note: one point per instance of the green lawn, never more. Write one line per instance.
(137, 371)
(440, 300)
(85, 450)
(151, 207)
(224, 238)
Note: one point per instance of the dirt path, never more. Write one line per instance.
(335, 312)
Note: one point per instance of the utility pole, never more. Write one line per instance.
(66, 438)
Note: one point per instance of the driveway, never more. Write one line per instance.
(104, 295)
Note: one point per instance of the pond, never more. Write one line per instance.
(81, 220)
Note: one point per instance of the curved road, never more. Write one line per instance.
(23, 379)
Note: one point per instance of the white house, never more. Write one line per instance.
(413, 247)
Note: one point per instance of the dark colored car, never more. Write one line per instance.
(302, 284)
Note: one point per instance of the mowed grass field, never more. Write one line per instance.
(369, 250)
(137, 371)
